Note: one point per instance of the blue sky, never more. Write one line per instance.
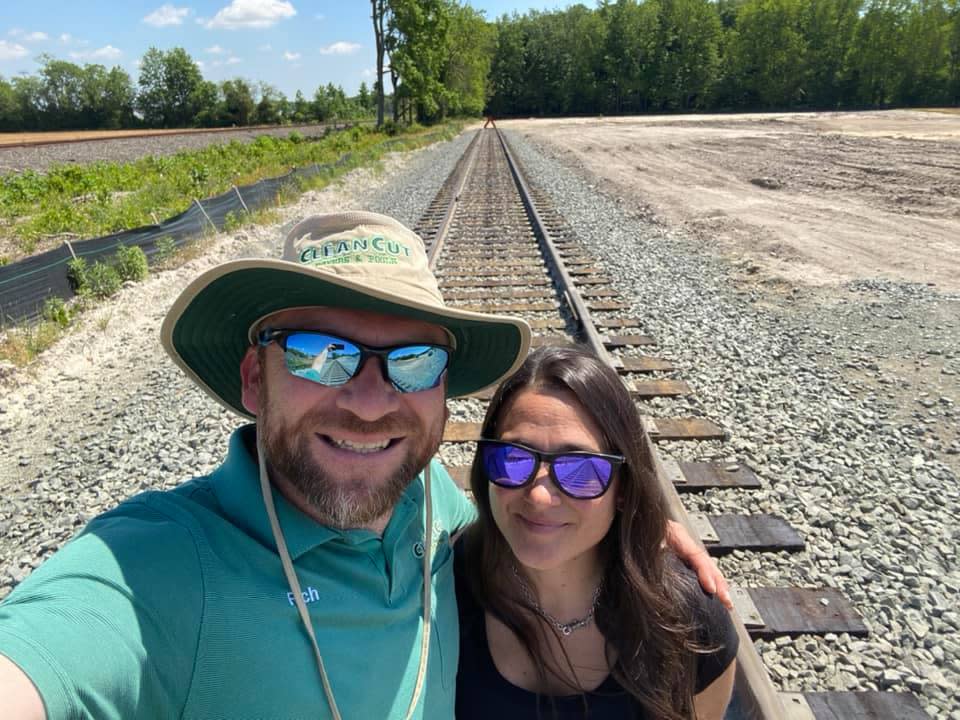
(292, 44)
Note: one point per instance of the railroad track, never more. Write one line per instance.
(497, 245)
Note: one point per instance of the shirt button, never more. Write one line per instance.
(418, 549)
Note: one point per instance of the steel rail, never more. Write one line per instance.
(578, 308)
(756, 692)
(433, 254)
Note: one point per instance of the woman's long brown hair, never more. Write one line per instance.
(642, 611)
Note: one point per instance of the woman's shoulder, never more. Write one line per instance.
(714, 632)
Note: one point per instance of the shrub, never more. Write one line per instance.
(131, 263)
(55, 310)
(103, 280)
(77, 270)
(390, 128)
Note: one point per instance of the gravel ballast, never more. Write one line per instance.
(806, 383)
(807, 386)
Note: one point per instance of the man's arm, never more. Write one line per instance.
(21, 701)
(694, 555)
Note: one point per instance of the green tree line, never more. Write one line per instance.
(443, 58)
(170, 92)
(654, 55)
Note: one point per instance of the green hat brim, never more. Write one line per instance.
(207, 330)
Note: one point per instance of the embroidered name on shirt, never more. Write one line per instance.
(309, 595)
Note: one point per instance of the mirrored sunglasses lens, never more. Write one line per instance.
(416, 367)
(507, 465)
(583, 477)
(323, 359)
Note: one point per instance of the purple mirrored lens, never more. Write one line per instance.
(507, 465)
(585, 477)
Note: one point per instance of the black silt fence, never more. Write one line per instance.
(26, 284)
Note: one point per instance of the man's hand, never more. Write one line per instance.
(694, 555)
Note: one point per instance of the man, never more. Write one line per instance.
(298, 579)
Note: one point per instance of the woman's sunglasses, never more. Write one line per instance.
(332, 360)
(579, 474)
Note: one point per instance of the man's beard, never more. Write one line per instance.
(349, 502)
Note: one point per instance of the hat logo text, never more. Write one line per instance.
(370, 249)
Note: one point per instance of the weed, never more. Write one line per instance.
(131, 263)
(104, 320)
(166, 247)
(103, 280)
(55, 310)
(20, 345)
(77, 269)
(233, 220)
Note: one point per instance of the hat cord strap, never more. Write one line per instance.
(294, 583)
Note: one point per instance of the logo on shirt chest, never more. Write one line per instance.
(309, 595)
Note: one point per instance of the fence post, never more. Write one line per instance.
(237, 191)
(215, 228)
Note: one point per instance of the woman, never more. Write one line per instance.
(569, 605)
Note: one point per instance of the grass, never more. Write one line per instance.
(37, 210)
(23, 343)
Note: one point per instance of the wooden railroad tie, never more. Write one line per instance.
(865, 705)
(620, 341)
(692, 428)
(773, 612)
(507, 307)
(492, 282)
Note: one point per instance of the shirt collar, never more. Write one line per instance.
(236, 484)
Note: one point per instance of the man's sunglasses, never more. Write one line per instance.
(579, 474)
(332, 360)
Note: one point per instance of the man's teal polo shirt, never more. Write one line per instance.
(174, 605)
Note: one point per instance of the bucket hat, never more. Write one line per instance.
(355, 260)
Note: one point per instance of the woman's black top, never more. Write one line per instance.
(483, 693)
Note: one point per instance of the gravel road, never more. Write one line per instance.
(809, 384)
(42, 157)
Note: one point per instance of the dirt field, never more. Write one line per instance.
(813, 198)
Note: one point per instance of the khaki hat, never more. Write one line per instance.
(356, 260)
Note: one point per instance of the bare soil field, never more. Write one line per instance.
(810, 198)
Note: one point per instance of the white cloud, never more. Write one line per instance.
(291, 56)
(320, 17)
(251, 14)
(12, 51)
(215, 50)
(35, 37)
(368, 73)
(340, 48)
(107, 52)
(232, 60)
(265, 48)
(200, 64)
(66, 38)
(15, 32)
(167, 15)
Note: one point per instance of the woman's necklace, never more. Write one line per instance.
(565, 628)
